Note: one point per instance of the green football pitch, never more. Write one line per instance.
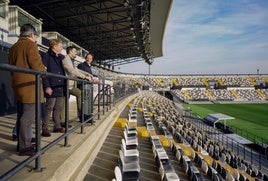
(251, 120)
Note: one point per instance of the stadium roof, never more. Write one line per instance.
(116, 31)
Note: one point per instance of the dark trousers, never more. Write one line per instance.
(20, 111)
(25, 122)
(54, 106)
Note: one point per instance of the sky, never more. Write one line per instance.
(212, 37)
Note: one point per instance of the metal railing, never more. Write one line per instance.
(261, 144)
(241, 150)
(252, 137)
(105, 93)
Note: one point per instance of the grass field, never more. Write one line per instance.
(249, 118)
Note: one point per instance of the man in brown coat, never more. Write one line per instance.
(24, 53)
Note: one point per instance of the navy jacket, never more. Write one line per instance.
(54, 65)
(85, 67)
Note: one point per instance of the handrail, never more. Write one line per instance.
(39, 150)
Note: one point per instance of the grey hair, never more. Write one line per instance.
(27, 30)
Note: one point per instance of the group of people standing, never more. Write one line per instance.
(24, 53)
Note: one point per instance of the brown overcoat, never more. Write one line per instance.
(24, 53)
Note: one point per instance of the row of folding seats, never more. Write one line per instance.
(129, 155)
(219, 173)
(213, 148)
(212, 173)
(128, 162)
(191, 134)
(128, 168)
(132, 115)
(187, 164)
(166, 170)
(220, 153)
(148, 123)
(190, 169)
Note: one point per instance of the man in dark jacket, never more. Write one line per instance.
(86, 66)
(54, 87)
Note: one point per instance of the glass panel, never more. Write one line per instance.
(2, 9)
(23, 19)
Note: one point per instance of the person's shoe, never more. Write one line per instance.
(58, 130)
(33, 140)
(63, 125)
(14, 137)
(30, 152)
(86, 117)
(45, 133)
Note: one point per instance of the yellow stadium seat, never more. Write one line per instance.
(120, 122)
(142, 131)
(150, 114)
(139, 109)
(164, 141)
(129, 105)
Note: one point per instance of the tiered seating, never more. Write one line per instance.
(265, 92)
(132, 116)
(186, 81)
(189, 144)
(190, 81)
(150, 81)
(205, 81)
(174, 82)
(222, 95)
(160, 82)
(198, 94)
(236, 81)
(179, 94)
(166, 170)
(263, 96)
(233, 92)
(248, 94)
(128, 160)
(209, 94)
(148, 124)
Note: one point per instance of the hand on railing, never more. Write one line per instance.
(92, 79)
(89, 78)
(95, 80)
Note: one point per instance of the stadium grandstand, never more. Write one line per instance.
(140, 129)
